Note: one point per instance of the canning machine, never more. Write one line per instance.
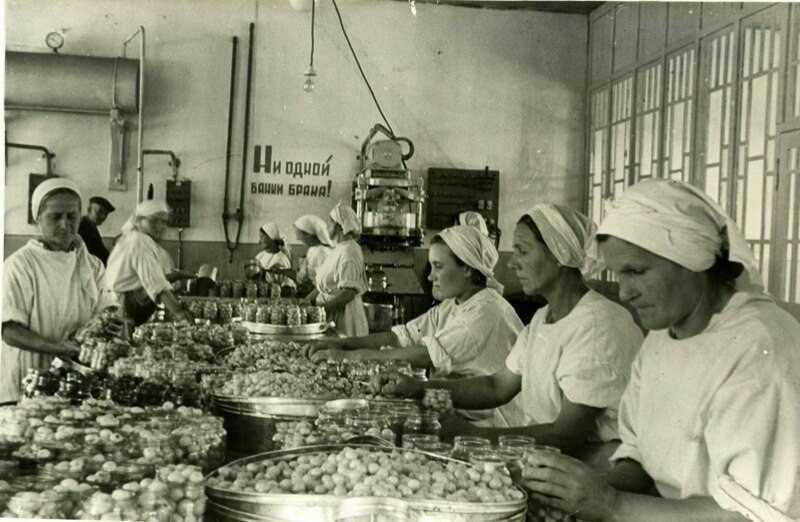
(389, 199)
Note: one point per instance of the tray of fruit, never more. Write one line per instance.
(282, 329)
(335, 482)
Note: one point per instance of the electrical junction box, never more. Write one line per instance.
(179, 199)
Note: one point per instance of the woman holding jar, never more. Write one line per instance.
(469, 333)
(341, 279)
(571, 363)
(140, 270)
(711, 416)
(312, 231)
(51, 287)
(275, 258)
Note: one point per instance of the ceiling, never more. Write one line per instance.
(576, 7)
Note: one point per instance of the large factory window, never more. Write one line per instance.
(713, 99)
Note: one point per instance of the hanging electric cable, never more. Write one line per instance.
(364, 76)
(310, 73)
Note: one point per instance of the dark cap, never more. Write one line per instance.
(103, 202)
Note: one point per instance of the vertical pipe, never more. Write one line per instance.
(140, 131)
(140, 168)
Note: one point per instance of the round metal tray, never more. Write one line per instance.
(287, 507)
(279, 329)
(268, 406)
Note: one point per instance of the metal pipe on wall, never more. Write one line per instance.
(140, 130)
(67, 83)
(48, 156)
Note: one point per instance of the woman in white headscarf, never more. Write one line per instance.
(711, 416)
(275, 260)
(469, 333)
(51, 287)
(571, 363)
(341, 279)
(312, 231)
(140, 270)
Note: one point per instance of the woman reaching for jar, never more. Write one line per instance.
(712, 413)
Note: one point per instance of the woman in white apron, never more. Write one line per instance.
(275, 260)
(569, 366)
(312, 231)
(140, 270)
(711, 416)
(51, 287)
(469, 333)
(342, 280)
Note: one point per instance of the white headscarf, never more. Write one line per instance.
(475, 250)
(315, 226)
(147, 208)
(46, 187)
(346, 218)
(473, 219)
(679, 222)
(85, 270)
(274, 232)
(566, 232)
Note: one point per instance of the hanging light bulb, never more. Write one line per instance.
(310, 73)
(308, 85)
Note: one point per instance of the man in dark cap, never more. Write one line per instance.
(96, 214)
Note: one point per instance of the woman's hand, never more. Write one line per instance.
(403, 385)
(453, 424)
(114, 326)
(323, 346)
(66, 349)
(568, 484)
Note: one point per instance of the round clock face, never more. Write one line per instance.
(54, 41)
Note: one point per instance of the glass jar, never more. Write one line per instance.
(430, 423)
(210, 311)
(489, 461)
(465, 445)
(419, 373)
(275, 290)
(413, 440)
(442, 449)
(293, 317)
(278, 315)
(225, 289)
(225, 313)
(237, 289)
(263, 314)
(251, 290)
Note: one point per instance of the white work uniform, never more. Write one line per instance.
(468, 339)
(344, 268)
(718, 414)
(52, 294)
(315, 257)
(137, 261)
(275, 261)
(585, 357)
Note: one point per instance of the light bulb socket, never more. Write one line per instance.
(310, 72)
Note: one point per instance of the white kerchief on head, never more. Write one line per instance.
(46, 187)
(475, 250)
(274, 232)
(147, 208)
(473, 219)
(679, 222)
(566, 232)
(346, 218)
(315, 226)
